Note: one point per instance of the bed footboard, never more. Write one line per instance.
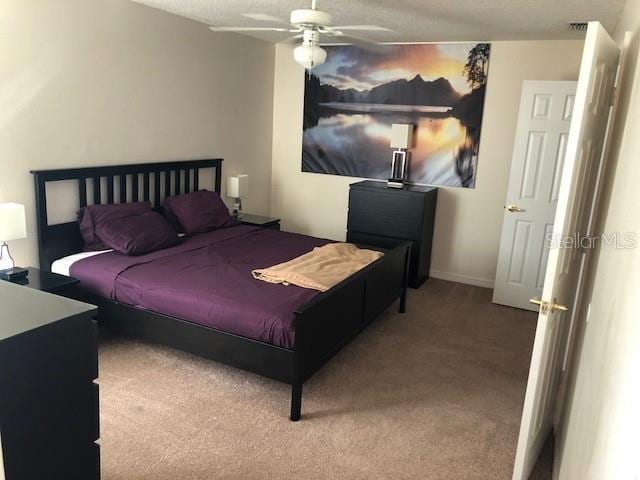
(329, 321)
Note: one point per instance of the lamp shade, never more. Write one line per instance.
(238, 186)
(12, 222)
(401, 135)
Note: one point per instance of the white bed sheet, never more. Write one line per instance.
(63, 265)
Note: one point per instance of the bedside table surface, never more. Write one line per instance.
(249, 219)
(46, 281)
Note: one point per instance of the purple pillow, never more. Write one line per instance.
(92, 217)
(198, 212)
(138, 234)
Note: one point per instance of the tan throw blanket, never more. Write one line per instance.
(321, 268)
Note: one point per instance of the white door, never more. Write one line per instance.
(545, 115)
(577, 186)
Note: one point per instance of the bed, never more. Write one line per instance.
(199, 296)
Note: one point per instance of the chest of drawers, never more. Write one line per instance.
(383, 216)
(49, 418)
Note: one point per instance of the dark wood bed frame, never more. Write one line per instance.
(322, 326)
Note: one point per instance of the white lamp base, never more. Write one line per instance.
(237, 207)
(8, 270)
(6, 261)
(399, 166)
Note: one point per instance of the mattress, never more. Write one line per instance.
(206, 280)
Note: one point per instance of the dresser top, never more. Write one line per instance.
(381, 185)
(23, 309)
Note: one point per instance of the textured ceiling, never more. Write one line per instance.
(416, 20)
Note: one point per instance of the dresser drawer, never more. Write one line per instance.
(55, 459)
(397, 214)
(66, 352)
(71, 410)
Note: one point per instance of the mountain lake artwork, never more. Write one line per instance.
(352, 100)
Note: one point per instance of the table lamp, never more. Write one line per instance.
(401, 137)
(12, 227)
(237, 187)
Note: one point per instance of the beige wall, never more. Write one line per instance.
(110, 81)
(468, 222)
(599, 430)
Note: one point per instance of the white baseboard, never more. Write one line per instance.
(469, 280)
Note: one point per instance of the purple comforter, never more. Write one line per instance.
(207, 280)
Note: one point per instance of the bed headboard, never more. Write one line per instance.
(151, 182)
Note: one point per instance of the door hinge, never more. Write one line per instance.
(614, 96)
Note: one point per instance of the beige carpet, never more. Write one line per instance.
(433, 394)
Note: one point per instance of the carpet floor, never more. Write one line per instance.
(435, 393)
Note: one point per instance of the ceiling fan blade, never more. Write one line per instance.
(293, 39)
(365, 43)
(362, 28)
(265, 17)
(249, 29)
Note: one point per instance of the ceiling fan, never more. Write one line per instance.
(309, 24)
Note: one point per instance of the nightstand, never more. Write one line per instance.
(47, 281)
(259, 221)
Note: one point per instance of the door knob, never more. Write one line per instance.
(515, 208)
(548, 307)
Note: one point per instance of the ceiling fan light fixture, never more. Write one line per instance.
(309, 55)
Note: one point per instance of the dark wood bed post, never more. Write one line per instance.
(403, 299)
(296, 374)
(296, 401)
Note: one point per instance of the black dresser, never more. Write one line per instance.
(49, 418)
(383, 216)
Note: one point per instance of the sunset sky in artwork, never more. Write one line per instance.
(353, 67)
